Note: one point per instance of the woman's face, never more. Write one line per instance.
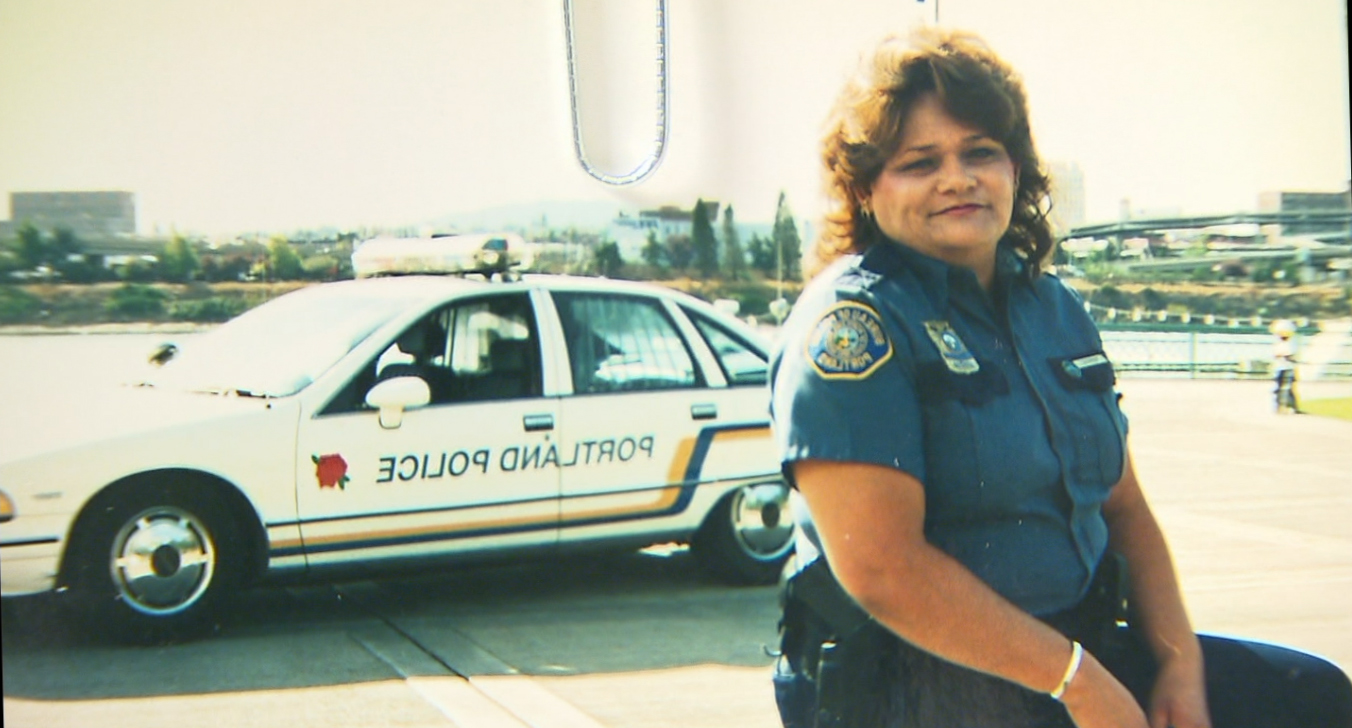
(948, 192)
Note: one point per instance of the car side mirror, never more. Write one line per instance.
(393, 396)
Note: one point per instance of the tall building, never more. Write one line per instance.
(87, 214)
(1068, 202)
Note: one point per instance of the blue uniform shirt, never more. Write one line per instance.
(1002, 406)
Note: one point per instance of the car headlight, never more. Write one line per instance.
(6, 507)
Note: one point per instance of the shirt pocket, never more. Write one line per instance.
(936, 383)
(1094, 423)
(955, 476)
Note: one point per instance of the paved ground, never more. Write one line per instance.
(1257, 507)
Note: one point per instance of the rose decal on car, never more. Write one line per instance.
(331, 471)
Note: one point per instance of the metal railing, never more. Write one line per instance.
(1211, 354)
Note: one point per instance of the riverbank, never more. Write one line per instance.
(65, 305)
(1221, 300)
(131, 327)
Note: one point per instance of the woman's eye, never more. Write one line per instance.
(918, 165)
(983, 153)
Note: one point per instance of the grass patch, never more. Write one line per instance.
(1340, 407)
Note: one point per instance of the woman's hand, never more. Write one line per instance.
(1095, 699)
(1178, 699)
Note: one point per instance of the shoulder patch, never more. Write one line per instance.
(848, 342)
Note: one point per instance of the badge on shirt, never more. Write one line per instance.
(956, 355)
(1077, 367)
(848, 342)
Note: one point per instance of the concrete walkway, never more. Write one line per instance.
(1257, 507)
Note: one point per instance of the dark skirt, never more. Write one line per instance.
(1249, 685)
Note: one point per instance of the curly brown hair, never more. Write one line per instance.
(865, 127)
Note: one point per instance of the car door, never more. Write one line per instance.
(467, 472)
(639, 428)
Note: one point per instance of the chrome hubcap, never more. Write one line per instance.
(761, 522)
(162, 561)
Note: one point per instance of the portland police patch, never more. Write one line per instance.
(848, 342)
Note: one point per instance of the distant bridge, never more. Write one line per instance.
(1136, 228)
(1323, 255)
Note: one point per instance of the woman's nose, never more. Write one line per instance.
(954, 176)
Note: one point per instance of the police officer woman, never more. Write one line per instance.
(947, 415)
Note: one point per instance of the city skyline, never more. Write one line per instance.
(229, 117)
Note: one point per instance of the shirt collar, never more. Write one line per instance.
(938, 278)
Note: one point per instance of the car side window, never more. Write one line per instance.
(743, 364)
(623, 343)
(479, 350)
(494, 352)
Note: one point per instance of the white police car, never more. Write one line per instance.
(392, 420)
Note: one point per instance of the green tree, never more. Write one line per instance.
(788, 246)
(762, 255)
(734, 260)
(703, 241)
(64, 244)
(66, 253)
(9, 258)
(653, 253)
(283, 263)
(606, 259)
(178, 261)
(32, 250)
(680, 252)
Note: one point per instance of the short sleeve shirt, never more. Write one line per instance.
(1002, 406)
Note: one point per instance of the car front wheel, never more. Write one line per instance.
(152, 564)
(748, 535)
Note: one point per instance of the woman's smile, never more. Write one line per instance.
(961, 210)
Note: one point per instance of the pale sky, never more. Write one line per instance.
(244, 115)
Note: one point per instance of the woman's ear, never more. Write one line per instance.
(864, 199)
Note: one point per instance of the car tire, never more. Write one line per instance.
(152, 563)
(747, 536)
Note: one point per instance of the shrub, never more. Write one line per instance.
(133, 300)
(1110, 296)
(1153, 300)
(321, 267)
(16, 304)
(208, 310)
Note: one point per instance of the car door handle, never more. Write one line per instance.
(535, 423)
(703, 411)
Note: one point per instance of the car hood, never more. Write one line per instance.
(65, 422)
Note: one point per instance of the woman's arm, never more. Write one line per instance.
(1179, 697)
(871, 523)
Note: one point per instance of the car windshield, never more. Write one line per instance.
(280, 347)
